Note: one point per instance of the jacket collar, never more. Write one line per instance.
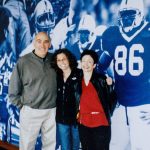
(39, 58)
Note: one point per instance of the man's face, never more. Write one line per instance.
(84, 36)
(41, 44)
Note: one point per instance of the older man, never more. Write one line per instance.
(33, 89)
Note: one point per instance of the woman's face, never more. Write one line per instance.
(62, 62)
(87, 63)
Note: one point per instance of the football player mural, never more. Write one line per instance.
(69, 24)
(116, 29)
(44, 18)
(85, 36)
(41, 19)
(128, 46)
(14, 37)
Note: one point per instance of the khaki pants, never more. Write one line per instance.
(31, 121)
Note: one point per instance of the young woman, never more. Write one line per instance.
(66, 108)
(94, 106)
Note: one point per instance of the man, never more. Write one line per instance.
(33, 89)
(128, 46)
(86, 38)
(69, 24)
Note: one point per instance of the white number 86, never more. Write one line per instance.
(122, 60)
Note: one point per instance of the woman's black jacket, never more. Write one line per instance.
(106, 93)
(66, 108)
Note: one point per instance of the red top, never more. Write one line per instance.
(91, 111)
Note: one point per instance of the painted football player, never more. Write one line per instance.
(127, 45)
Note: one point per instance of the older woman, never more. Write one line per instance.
(94, 106)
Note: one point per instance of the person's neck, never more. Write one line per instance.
(39, 55)
(87, 76)
(66, 74)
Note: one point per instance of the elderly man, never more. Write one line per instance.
(33, 89)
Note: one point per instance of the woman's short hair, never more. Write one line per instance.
(92, 53)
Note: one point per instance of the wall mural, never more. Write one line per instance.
(117, 30)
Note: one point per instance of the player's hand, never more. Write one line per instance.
(145, 116)
(109, 80)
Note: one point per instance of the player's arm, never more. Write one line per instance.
(104, 62)
(106, 57)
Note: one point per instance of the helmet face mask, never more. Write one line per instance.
(44, 16)
(86, 29)
(84, 36)
(45, 21)
(130, 15)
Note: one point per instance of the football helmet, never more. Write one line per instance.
(131, 14)
(86, 28)
(44, 16)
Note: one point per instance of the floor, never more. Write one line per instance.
(6, 146)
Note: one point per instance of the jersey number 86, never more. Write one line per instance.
(132, 60)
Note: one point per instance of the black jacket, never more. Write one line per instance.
(106, 93)
(66, 108)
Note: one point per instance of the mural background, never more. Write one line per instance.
(77, 25)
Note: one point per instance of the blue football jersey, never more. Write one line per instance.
(131, 56)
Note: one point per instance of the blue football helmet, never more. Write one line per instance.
(131, 14)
